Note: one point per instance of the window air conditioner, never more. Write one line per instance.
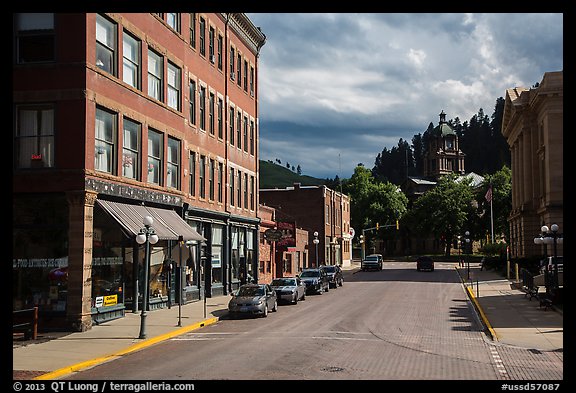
(212, 58)
(232, 75)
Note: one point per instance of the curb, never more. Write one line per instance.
(132, 348)
(487, 325)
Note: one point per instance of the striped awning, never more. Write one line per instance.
(167, 224)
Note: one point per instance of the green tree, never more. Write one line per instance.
(443, 211)
(372, 201)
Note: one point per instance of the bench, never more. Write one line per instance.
(26, 321)
(528, 285)
(545, 301)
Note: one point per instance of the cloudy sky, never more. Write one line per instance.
(335, 89)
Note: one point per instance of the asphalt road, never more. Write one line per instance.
(394, 324)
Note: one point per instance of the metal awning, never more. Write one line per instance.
(167, 223)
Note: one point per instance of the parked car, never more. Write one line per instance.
(290, 289)
(424, 263)
(372, 262)
(253, 299)
(335, 277)
(316, 280)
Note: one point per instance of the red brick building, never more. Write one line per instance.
(316, 209)
(123, 115)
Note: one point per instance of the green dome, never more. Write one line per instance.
(443, 128)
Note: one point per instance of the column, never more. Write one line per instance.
(81, 210)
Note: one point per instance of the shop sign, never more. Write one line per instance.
(110, 300)
(103, 301)
(40, 262)
(272, 234)
(216, 260)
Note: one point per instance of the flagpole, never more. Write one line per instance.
(491, 220)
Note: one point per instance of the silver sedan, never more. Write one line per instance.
(290, 289)
(253, 299)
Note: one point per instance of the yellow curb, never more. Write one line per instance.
(478, 307)
(482, 315)
(133, 348)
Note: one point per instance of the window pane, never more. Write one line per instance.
(131, 64)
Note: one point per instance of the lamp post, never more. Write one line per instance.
(550, 236)
(146, 236)
(316, 241)
(467, 242)
(459, 245)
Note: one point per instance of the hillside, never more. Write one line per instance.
(277, 176)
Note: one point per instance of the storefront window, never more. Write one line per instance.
(216, 252)
(250, 253)
(158, 278)
(40, 252)
(234, 274)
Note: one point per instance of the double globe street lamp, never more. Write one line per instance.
(146, 236)
(550, 236)
(316, 241)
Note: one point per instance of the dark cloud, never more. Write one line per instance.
(352, 84)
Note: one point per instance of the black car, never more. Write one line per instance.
(335, 277)
(316, 280)
(424, 263)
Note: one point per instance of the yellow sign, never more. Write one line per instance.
(110, 300)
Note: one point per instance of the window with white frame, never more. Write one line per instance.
(239, 130)
(232, 189)
(251, 192)
(155, 150)
(232, 60)
(34, 37)
(202, 106)
(246, 191)
(202, 36)
(192, 102)
(131, 62)
(219, 49)
(219, 113)
(193, 30)
(192, 173)
(239, 189)
(211, 113)
(105, 44)
(252, 131)
(105, 141)
(173, 164)
(131, 149)
(211, 51)
(231, 121)
(155, 75)
(174, 74)
(34, 136)
(245, 133)
(202, 176)
(211, 169)
(173, 20)
(220, 176)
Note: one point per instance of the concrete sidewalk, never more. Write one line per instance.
(512, 319)
(509, 315)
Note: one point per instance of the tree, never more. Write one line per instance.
(299, 170)
(444, 211)
(372, 201)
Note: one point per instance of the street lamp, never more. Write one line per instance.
(316, 241)
(467, 240)
(146, 236)
(550, 236)
(459, 245)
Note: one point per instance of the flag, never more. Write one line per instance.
(488, 195)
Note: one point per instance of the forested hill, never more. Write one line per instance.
(276, 176)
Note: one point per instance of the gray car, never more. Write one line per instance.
(290, 289)
(253, 299)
